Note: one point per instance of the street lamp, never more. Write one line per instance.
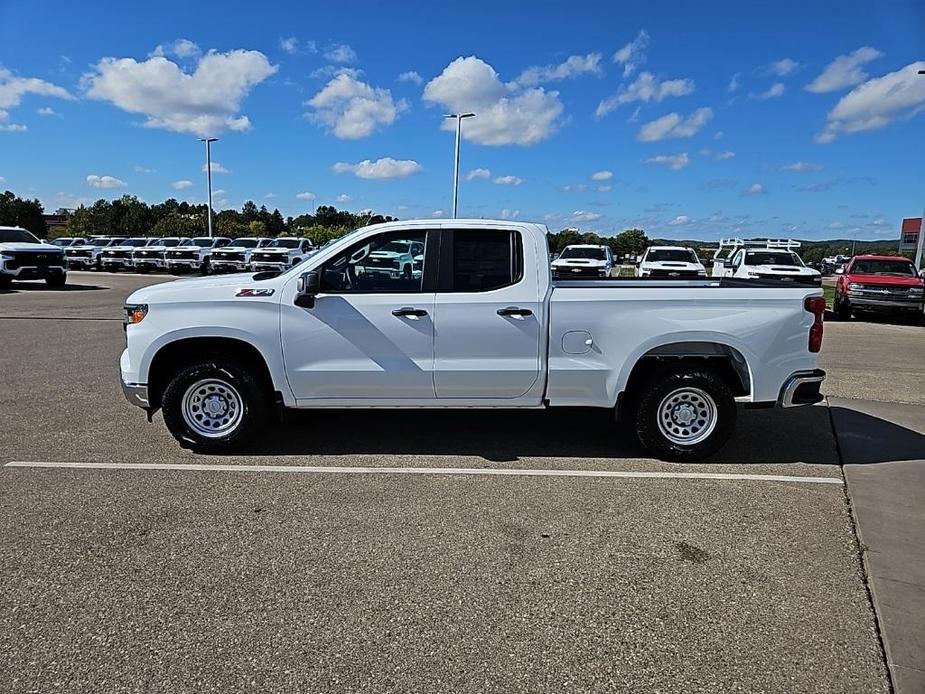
(918, 246)
(209, 141)
(459, 117)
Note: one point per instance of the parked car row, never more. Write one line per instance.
(178, 254)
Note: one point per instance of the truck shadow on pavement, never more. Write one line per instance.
(36, 287)
(762, 436)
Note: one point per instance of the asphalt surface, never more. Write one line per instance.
(142, 580)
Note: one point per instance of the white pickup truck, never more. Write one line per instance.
(482, 326)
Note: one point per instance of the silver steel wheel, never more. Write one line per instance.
(687, 416)
(212, 408)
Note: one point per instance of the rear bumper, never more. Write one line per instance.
(802, 388)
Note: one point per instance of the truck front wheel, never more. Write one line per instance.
(215, 405)
(685, 415)
(57, 281)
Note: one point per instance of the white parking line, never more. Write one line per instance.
(325, 470)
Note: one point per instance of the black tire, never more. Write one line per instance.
(6, 281)
(255, 403)
(205, 268)
(406, 272)
(842, 308)
(651, 403)
(57, 281)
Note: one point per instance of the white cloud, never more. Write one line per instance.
(216, 168)
(384, 168)
(269, 196)
(802, 167)
(845, 71)
(478, 173)
(352, 109)
(646, 88)
(605, 189)
(733, 83)
(509, 214)
(13, 89)
(2, 179)
(289, 45)
(46, 111)
(342, 53)
(343, 198)
(308, 196)
(574, 188)
(573, 66)
(632, 54)
(755, 189)
(181, 48)
(143, 169)
(104, 181)
(674, 125)
(718, 135)
(877, 102)
(506, 114)
(438, 213)
(680, 220)
(583, 216)
(721, 156)
(410, 76)
(329, 71)
(781, 68)
(672, 161)
(204, 102)
(775, 90)
(182, 185)
(604, 175)
(508, 180)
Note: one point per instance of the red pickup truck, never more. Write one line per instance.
(881, 283)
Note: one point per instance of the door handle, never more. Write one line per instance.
(409, 311)
(514, 311)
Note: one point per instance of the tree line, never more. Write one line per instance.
(631, 241)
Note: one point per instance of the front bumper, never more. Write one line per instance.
(182, 264)
(149, 263)
(116, 262)
(266, 265)
(886, 305)
(80, 261)
(219, 265)
(802, 388)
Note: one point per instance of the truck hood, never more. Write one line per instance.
(672, 265)
(35, 247)
(783, 269)
(886, 280)
(192, 287)
(278, 251)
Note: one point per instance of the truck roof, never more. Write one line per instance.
(669, 248)
(873, 256)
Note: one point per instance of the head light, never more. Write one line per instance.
(854, 286)
(135, 313)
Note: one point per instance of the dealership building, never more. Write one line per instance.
(909, 234)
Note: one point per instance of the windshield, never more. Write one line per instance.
(591, 253)
(772, 258)
(672, 255)
(883, 267)
(244, 243)
(284, 243)
(16, 236)
(134, 242)
(202, 243)
(99, 242)
(171, 242)
(61, 243)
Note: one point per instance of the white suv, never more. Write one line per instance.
(194, 255)
(236, 256)
(281, 254)
(672, 262)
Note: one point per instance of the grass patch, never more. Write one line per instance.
(829, 292)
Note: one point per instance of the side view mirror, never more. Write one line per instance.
(840, 271)
(727, 262)
(307, 288)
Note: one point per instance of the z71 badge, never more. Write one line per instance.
(254, 291)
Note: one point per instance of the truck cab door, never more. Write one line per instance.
(488, 316)
(370, 334)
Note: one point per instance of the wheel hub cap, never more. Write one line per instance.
(687, 416)
(212, 407)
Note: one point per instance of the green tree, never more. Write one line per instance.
(20, 212)
(257, 228)
(632, 241)
(176, 224)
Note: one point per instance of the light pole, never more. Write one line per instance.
(918, 247)
(459, 118)
(209, 141)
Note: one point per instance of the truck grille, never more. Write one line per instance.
(182, 255)
(78, 253)
(573, 271)
(228, 256)
(799, 279)
(675, 274)
(269, 257)
(117, 254)
(30, 259)
(149, 254)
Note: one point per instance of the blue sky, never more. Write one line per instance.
(691, 120)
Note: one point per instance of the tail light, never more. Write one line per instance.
(816, 306)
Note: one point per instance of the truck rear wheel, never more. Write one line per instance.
(685, 415)
(215, 405)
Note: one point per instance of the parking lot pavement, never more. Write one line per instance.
(888, 501)
(874, 360)
(118, 580)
